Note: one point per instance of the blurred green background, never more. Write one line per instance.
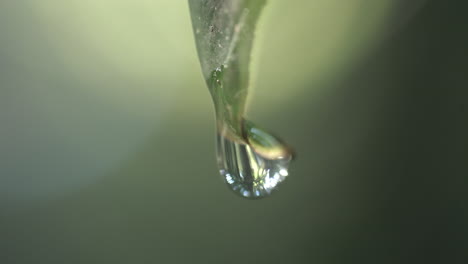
(107, 135)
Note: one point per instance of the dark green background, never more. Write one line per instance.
(380, 177)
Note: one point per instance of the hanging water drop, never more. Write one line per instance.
(250, 170)
(252, 161)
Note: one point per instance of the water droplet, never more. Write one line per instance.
(252, 161)
(253, 170)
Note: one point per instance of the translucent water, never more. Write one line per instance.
(247, 172)
(252, 161)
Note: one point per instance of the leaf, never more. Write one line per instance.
(224, 33)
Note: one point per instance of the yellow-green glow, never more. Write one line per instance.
(91, 80)
(150, 41)
(309, 41)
